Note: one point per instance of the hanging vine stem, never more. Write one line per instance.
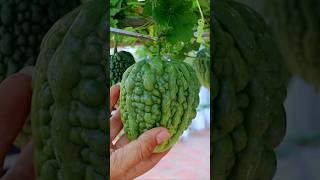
(131, 34)
(115, 46)
(200, 10)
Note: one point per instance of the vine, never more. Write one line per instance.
(178, 27)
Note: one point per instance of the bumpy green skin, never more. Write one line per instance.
(158, 93)
(249, 119)
(202, 66)
(69, 105)
(23, 24)
(296, 27)
(120, 62)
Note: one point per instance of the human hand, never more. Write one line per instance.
(15, 103)
(130, 160)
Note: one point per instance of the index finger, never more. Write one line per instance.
(15, 95)
(114, 95)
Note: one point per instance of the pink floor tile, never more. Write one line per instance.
(189, 160)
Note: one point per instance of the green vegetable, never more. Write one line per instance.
(23, 24)
(296, 27)
(249, 89)
(69, 104)
(120, 61)
(202, 67)
(156, 93)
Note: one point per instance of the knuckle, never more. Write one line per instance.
(116, 160)
(141, 151)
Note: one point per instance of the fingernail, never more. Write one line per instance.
(162, 136)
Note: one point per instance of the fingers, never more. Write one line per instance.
(114, 95)
(139, 150)
(15, 95)
(115, 125)
(146, 165)
(23, 167)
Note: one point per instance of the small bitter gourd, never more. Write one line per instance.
(120, 62)
(202, 66)
(248, 92)
(70, 98)
(157, 92)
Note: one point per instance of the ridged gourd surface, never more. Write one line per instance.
(249, 120)
(296, 26)
(157, 92)
(23, 24)
(69, 105)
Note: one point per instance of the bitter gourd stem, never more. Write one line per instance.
(115, 46)
(200, 10)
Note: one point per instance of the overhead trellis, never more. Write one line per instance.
(177, 27)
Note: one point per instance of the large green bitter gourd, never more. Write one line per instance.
(23, 23)
(70, 98)
(296, 27)
(249, 119)
(157, 92)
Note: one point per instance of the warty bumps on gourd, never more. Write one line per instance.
(23, 24)
(295, 24)
(119, 63)
(157, 92)
(69, 115)
(249, 119)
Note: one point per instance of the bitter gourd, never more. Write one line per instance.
(248, 92)
(120, 62)
(158, 92)
(69, 104)
(296, 27)
(23, 23)
(202, 67)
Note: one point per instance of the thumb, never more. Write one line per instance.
(130, 155)
(15, 102)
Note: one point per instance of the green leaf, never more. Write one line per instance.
(147, 10)
(114, 11)
(182, 29)
(175, 19)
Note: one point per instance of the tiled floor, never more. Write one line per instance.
(187, 160)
